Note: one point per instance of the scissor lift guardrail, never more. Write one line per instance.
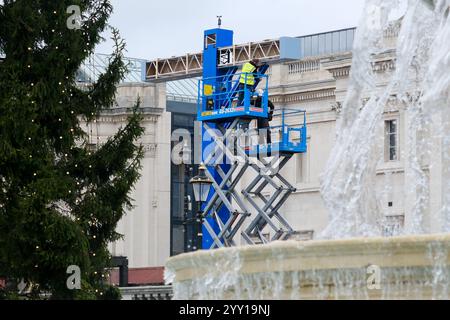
(219, 97)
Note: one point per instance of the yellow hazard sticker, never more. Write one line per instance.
(207, 89)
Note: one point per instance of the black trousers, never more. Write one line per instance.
(241, 89)
(263, 129)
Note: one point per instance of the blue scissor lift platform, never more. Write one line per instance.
(226, 108)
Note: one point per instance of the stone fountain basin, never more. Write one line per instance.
(405, 267)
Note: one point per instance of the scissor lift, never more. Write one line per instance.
(226, 110)
(288, 138)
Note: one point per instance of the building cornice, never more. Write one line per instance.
(310, 95)
(325, 83)
(384, 65)
(123, 118)
(340, 66)
(340, 72)
(118, 114)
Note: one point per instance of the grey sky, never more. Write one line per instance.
(164, 28)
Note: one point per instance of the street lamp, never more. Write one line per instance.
(201, 185)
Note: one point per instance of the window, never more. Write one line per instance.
(308, 46)
(314, 45)
(322, 44)
(328, 42)
(178, 239)
(350, 37)
(302, 47)
(183, 237)
(335, 42)
(393, 225)
(342, 41)
(210, 40)
(391, 140)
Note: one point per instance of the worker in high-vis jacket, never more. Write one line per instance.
(247, 79)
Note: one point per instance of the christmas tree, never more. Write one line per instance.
(60, 201)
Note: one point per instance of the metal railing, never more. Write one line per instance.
(304, 66)
(290, 135)
(225, 96)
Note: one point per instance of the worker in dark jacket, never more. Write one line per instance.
(263, 123)
(247, 78)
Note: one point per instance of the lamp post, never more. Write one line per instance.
(201, 185)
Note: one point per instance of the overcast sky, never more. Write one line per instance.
(164, 28)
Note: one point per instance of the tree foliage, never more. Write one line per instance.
(60, 201)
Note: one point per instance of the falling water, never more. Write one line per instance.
(421, 86)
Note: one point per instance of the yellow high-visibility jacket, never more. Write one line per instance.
(247, 70)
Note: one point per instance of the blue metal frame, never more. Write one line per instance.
(213, 40)
(286, 145)
(220, 101)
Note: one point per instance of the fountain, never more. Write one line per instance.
(357, 268)
(351, 260)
